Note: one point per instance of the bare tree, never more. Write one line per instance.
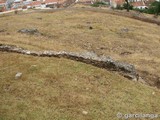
(127, 5)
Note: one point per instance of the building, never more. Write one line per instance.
(85, 1)
(43, 4)
(49, 4)
(17, 4)
(140, 4)
(2, 6)
(115, 3)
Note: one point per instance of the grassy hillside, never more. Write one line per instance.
(122, 38)
(61, 89)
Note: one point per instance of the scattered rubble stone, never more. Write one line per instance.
(18, 75)
(125, 69)
(84, 112)
(153, 93)
(29, 31)
(33, 65)
(125, 30)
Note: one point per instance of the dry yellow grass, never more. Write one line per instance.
(60, 89)
(69, 30)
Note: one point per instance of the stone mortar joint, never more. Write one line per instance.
(125, 69)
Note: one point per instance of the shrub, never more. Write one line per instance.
(97, 4)
(154, 8)
(141, 10)
(125, 6)
(151, 10)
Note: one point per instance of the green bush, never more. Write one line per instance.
(125, 6)
(151, 10)
(154, 8)
(97, 4)
(141, 10)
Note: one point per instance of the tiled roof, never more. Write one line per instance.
(84, 0)
(139, 3)
(50, 1)
(2, 2)
(34, 3)
(119, 2)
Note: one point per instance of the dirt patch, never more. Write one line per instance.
(151, 79)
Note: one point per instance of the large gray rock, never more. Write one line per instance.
(18, 75)
(29, 31)
(125, 30)
(84, 112)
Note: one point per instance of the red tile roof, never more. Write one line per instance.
(34, 3)
(120, 2)
(2, 2)
(50, 1)
(136, 4)
(3, 8)
(85, 1)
